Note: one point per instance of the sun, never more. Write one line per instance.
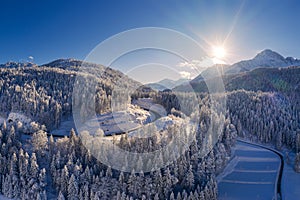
(218, 52)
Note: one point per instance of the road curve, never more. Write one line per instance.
(255, 172)
(280, 172)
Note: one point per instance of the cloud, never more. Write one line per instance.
(30, 57)
(197, 64)
(185, 74)
(193, 64)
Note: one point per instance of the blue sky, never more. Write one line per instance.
(52, 29)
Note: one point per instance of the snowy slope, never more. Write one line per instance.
(211, 72)
(120, 121)
(265, 59)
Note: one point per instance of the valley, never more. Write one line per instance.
(73, 136)
(149, 100)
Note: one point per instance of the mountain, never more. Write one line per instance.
(285, 80)
(211, 72)
(266, 58)
(44, 93)
(17, 64)
(72, 64)
(156, 86)
(166, 84)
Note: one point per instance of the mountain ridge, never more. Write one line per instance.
(264, 59)
(166, 84)
(285, 79)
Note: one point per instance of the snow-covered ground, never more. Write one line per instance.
(64, 128)
(251, 174)
(119, 122)
(290, 179)
(13, 117)
(143, 111)
(290, 183)
(3, 197)
(145, 103)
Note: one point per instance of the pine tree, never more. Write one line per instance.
(179, 196)
(42, 178)
(190, 178)
(72, 188)
(39, 142)
(60, 196)
(34, 168)
(132, 183)
(51, 144)
(172, 197)
(64, 179)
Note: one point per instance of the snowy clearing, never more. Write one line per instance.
(64, 128)
(119, 122)
(145, 103)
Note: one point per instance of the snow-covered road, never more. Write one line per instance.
(251, 174)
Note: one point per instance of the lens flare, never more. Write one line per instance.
(219, 52)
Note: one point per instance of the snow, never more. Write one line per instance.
(163, 123)
(3, 197)
(156, 110)
(266, 58)
(19, 117)
(120, 121)
(2, 119)
(132, 119)
(145, 103)
(17, 64)
(290, 180)
(64, 128)
(251, 174)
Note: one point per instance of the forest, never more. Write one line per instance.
(46, 167)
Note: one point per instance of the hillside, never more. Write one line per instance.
(263, 79)
(265, 59)
(44, 93)
(81, 166)
(166, 84)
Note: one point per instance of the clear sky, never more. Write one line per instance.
(51, 29)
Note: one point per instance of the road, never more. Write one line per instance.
(253, 173)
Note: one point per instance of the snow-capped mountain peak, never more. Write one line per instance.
(268, 55)
(266, 58)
